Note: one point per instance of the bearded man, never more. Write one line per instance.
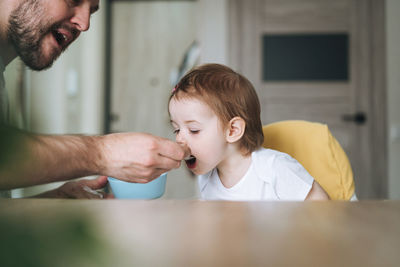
(38, 31)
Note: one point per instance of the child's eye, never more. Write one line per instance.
(194, 131)
(176, 131)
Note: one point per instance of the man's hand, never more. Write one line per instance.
(41, 159)
(139, 157)
(79, 189)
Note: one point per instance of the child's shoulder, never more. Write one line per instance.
(280, 168)
(270, 155)
(264, 160)
(271, 163)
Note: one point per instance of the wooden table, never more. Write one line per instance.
(199, 233)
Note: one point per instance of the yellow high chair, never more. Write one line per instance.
(313, 145)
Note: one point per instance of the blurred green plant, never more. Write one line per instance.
(58, 239)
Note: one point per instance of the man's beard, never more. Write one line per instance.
(26, 29)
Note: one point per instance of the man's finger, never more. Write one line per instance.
(165, 164)
(155, 174)
(92, 193)
(98, 183)
(186, 149)
(173, 150)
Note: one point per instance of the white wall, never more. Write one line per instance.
(213, 31)
(393, 93)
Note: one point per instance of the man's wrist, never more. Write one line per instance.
(95, 154)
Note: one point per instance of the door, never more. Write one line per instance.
(349, 98)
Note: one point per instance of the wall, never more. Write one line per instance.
(213, 31)
(393, 93)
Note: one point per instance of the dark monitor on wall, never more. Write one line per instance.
(305, 57)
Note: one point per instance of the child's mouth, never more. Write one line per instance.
(191, 162)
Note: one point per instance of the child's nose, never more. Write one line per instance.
(179, 139)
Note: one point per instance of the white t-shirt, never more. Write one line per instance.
(272, 175)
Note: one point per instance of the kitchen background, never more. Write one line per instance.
(118, 75)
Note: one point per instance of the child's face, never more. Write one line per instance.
(196, 125)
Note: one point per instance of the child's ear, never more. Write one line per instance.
(235, 129)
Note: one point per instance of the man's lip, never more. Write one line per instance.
(58, 45)
(68, 35)
(64, 36)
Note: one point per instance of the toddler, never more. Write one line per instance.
(216, 113)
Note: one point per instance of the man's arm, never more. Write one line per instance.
(38, 159)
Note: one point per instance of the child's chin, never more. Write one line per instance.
(197, 172)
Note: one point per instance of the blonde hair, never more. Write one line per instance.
(229, 95)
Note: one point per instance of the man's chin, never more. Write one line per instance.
(40, 64)
(36, 67)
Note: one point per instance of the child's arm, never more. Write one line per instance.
(317, 193)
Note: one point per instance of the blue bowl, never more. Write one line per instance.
(151, 190)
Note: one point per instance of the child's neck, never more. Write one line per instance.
(233, 168)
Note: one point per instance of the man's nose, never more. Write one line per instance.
(81, 18)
